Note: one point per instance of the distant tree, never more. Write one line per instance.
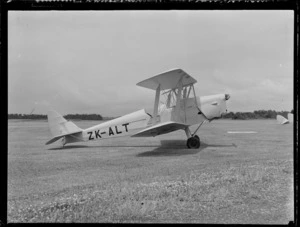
(84, 116)
(26, 116)
(228, 115)
(69, 116)
(257, 114)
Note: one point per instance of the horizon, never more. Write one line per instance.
(289, 111)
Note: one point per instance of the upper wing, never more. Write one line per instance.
(159, 129)
(168, 80)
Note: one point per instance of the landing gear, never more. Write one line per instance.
(193, 142)
(63, 141)
(197, 137)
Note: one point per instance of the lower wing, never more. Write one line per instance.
(159, 129)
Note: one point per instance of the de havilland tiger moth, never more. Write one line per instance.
(176, 107)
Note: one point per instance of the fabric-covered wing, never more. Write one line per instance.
(167, 80)
(159, 129)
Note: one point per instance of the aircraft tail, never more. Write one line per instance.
(60, 127)
(282, 120)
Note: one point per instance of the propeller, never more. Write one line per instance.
(227, 93)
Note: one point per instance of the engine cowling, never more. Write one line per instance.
(213, 106)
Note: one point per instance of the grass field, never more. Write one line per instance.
(232, 178)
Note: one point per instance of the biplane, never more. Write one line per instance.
(176, 107)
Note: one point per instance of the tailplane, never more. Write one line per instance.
(60, 127)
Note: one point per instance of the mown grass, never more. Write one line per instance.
(232, 178)
(247, 192)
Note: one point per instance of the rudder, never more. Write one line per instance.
(58, 125)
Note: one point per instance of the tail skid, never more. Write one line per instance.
(60, 127)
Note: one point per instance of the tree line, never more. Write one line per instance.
(68, 116)
(257, 114)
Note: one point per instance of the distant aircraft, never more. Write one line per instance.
(176, 107)
(282, 120)
(291, 117)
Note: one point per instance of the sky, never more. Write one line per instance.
(90, 61)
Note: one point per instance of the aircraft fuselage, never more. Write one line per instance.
(211, 107)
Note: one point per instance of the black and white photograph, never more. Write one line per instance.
(150, 116)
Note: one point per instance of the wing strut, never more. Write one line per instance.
(195, 96)
(188, 131)
(155, 110)
(177, 110)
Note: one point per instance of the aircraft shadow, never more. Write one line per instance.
(221, 145)
(98, 146)
(68, 147)
(168, 147)
(178, 148)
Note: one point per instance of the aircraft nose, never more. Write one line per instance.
(227, 96)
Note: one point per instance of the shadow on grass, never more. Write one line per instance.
(168, 147)
(68, 147)
(219, 145)
(177, 148)
(98, 146)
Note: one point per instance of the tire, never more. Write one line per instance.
(197, 137)
(193, 143)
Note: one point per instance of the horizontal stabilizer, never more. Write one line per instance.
(60, 136)
(159, 129)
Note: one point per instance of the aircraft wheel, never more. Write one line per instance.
(193, 142)
(197, 137)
